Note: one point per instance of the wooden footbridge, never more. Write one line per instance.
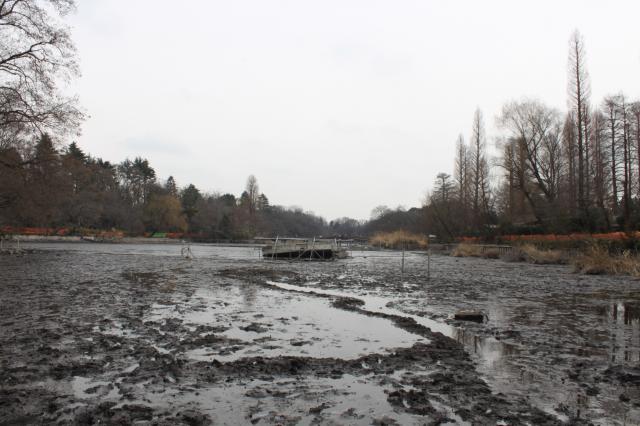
(304, 248)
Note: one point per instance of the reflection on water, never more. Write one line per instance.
(623, 321)
(248, 295)
(278, 324)
(487, 349)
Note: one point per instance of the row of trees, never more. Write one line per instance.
(557, 172)
(43, 186)
(49, 188)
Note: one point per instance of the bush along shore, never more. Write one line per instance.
(594, 258)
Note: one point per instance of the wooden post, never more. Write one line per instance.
(313, 245)
(428, 263)
(428, 258)
(273, 252)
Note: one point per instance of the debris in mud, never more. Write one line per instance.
(416, 402)
(469, 315)
(319, 408)
(255, 327)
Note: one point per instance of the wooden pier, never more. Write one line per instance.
(304, 249)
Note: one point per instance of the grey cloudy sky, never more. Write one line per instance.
(335, 106)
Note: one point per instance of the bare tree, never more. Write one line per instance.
(599, 164)
(36, 55)
(579, 92)
(479, 170)
(379, 211)
(611, 115)
(626, 159)
(253, 192)
(570, 155)
(535, 159)
(537, 129)
(443, 188)
(635, 112)
(461, 167)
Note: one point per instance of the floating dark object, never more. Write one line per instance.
(475, 316)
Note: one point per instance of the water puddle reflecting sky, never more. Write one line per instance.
(270, 323)
(622, 321)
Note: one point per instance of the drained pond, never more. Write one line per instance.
(123, 333)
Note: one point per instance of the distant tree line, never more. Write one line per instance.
(45, 187)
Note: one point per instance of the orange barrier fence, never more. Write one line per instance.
(612, 236)
(60, 232)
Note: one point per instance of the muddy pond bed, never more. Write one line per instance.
(135, 334)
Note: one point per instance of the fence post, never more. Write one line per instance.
(428, 263)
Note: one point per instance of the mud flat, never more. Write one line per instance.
(124, 334)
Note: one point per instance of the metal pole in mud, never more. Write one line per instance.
(402, 268)
(273, 252)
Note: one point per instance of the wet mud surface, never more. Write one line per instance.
(117, 334)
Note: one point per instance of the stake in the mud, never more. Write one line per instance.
(186, 252)
(402, 267)
(275, 244)
(428, 257)
(313, 245)
(428, 263)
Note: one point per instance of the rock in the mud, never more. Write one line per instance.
(469, 315)
(195, 418)
(255, 327)
(319, 408)
(413, 401)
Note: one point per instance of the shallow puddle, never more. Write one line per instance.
(347, 400)
(271, 323)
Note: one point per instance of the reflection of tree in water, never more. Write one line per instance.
(624, 326)
(491, 352)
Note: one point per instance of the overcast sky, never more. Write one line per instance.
(335, 106)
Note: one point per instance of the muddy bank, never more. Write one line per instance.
(139, 335)
(552, 335)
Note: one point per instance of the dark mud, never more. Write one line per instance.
(137, 335)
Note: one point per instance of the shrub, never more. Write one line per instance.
(598, 260)
(467, 250)
(535, 255)
(398, 239)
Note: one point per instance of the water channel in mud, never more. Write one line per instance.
(111, 332)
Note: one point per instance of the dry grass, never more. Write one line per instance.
(533, 254)
(398, 239)
(525, 253)
(597, 260)
(467, 250)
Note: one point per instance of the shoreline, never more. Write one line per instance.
(123, 240)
